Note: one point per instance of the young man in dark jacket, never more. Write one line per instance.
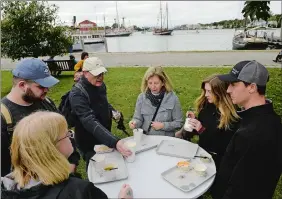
(31, 83)
(93, 112)
(252, 163)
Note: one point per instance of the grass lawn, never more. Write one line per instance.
(123, 87)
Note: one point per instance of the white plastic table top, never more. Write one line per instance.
(146, 180)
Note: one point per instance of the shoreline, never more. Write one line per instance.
(172, 58)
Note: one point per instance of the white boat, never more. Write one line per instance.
(94, 41)
(118, 32)
(92, 37)
(246, 40)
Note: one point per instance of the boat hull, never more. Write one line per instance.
(94, 41)
(118, 34)
(167, 32)
(249, 46)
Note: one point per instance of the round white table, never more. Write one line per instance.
(144, 176)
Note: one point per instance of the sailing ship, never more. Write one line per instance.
(162, 30)
(118, 32)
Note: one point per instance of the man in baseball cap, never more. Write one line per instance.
(31, 83)
(252, 163)
(93, 111)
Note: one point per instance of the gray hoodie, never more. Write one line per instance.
(169, 114)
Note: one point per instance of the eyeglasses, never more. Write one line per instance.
(100, 75)
(70, 134)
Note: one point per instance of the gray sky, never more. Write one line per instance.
(145, 13)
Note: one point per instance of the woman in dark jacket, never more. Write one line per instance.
(217, 119)
(39, 150)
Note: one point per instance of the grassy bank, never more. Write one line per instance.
(123, 86)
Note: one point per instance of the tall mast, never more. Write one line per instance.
(166, 16)
(161, 15)
(96, 20)
(117, 16)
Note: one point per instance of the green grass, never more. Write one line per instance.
(123, 87)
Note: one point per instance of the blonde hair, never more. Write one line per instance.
(33, 149)
(156, 71)
(222, 101)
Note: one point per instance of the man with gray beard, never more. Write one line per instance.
(31, 83)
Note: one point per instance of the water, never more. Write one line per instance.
(181, 40)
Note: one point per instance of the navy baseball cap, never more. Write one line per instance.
(36, 70)
(247, 71)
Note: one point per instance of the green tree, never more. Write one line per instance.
(256, 10)
(29, 30)
(277, 18)
(115, 25)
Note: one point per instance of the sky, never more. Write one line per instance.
(145, 13)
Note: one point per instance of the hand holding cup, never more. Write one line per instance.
(132, 124)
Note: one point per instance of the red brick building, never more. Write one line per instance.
(86, 25)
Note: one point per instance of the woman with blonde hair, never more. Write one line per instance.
(158, 110)
(217, 118)
(39, 151)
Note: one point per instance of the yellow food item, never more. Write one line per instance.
(183, 164)
(103, 148)
(109, 167)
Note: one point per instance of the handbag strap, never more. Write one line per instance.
(155, 114)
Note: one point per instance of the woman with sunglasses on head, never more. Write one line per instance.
(40, 148)
(217, 119)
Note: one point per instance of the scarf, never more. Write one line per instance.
(155, 99)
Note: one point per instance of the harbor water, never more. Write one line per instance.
(180, 40)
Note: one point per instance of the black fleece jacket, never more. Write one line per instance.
(94, 119)
(252, 164)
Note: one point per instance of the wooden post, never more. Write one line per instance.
(106, 44)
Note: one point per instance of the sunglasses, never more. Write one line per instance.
(70, 134)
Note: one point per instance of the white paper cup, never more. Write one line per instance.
(187, 126)
(99, 162)
(138, 133)
(131, 145)
(200, 169)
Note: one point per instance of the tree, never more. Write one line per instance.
(29, 30)
(277, 18)
(115, 25)
(256, 10)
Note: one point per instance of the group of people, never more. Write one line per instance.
(235, 122)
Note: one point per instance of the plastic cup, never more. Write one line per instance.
(131, 145)
(200, 169)
(187, 126)
(138, 133)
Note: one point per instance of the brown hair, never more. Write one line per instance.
(222, 101)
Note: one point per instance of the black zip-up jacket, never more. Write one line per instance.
(252, 164)
(94, 120)
(213, 139)
(72, 188)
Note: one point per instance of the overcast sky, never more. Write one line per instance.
(145, 13)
